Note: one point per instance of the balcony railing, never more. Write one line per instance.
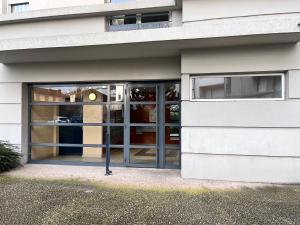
(141, 26)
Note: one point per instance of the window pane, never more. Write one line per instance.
(143, 113)
(70, 94)
(155, 17)
(68, 134)
(140, 94)
(172, 135)
(69, 114)
(76, 154)
(143, 135)
(172, 92)
(95, 114)
(117, 113)
(117, 93)
(117, 135)
(172, 156)
(95, 93)
(143, 156)
(172, 113)
(20, 7)
(236, 87)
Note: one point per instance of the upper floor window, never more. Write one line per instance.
(238, 87)
(139, 21)
(19, 7)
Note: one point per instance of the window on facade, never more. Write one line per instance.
(139, 21)
(238, 87)
(19, 7)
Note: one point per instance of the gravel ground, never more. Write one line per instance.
(38, 202)
(137, 177)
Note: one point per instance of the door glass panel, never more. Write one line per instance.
(172, 135)
(117, 93)
(117, 135)
(172, 113)
(143, 94)
(172, 92)
(117, 113)
(143, 113)
(172, 156)
(143, 156)
(142, 135)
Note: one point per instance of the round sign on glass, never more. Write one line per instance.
(92, 96)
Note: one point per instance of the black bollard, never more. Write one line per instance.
(107, 156)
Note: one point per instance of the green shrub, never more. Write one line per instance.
(9, 158)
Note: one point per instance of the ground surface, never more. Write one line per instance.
(142, 178)
(76, 202)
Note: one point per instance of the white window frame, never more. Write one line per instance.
(282, 75)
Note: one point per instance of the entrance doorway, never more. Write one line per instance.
(69, 124)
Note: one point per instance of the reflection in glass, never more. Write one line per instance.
(172, 92)
(143, 156)
(95, 114)
(172, 135)
(100, 93)
(69, 94)
(117, 93)
(69, 114)
(142, 94)
(172, 156)
(117, 135)
(237, 87)
(68, 134)
(117, 113)
(172, 113)
(143, 113)
(143, 135)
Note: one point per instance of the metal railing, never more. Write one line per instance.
(140, 26)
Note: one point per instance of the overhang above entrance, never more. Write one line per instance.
(153, 42)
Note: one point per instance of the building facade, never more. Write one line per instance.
(208, 87)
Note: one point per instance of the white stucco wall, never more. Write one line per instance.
(255, 141)
(47, 4)
(195, 10)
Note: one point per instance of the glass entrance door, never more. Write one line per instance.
(152, 126)
(141, 126)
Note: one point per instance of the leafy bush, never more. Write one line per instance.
(9, 158)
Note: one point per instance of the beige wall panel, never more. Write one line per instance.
(241, 59)
(10, 113)
(294, 84)
(11, 93)
(53, 27)
(46, 4)
(275, 142)
(194, 10)
(11, 133)
(241, 113)
(133, 69)
(241, 168)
